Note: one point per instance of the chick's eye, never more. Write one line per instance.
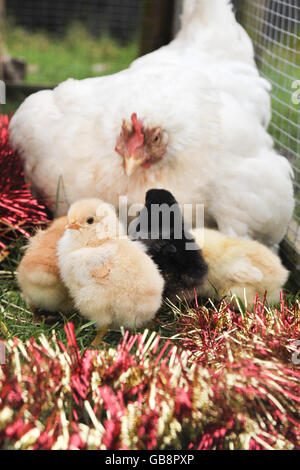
(90, 220)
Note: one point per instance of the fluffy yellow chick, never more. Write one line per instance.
(240, 267)
(111, 278)
(38, 273)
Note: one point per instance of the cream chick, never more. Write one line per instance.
(240, 267)
(38, 272)
(111, 278)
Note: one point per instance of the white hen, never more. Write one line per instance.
(193, 118)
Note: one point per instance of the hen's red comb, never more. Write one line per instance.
(137, 126)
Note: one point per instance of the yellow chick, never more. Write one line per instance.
(240, 267)
(111, 278)
(38, 273)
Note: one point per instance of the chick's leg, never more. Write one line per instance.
(152, 324)
(99, 336)
(35, 315)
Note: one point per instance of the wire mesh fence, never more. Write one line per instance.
(117, 18)
(48, 41)
(274, 26)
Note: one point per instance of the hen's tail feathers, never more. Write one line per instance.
(204, 11)
(212, 23)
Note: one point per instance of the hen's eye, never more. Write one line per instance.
(156, 138)
(90, 220)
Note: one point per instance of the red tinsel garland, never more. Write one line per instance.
(148, 394)
(19, 210)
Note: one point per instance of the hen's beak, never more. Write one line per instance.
(131, 164)
(73, 226)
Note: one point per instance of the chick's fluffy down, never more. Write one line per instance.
(38, 273)
(240, 267)
(115, 283)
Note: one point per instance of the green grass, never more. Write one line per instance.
(279, 63)
(54, 59)
(19, 321)
(279, 67)
(76, 54)
(284, 126)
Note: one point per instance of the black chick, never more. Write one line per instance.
(162, 231)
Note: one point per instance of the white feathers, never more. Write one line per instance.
(204, 90)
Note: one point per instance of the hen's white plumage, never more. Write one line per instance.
(204, 90)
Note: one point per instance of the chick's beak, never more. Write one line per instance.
(73, 226)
